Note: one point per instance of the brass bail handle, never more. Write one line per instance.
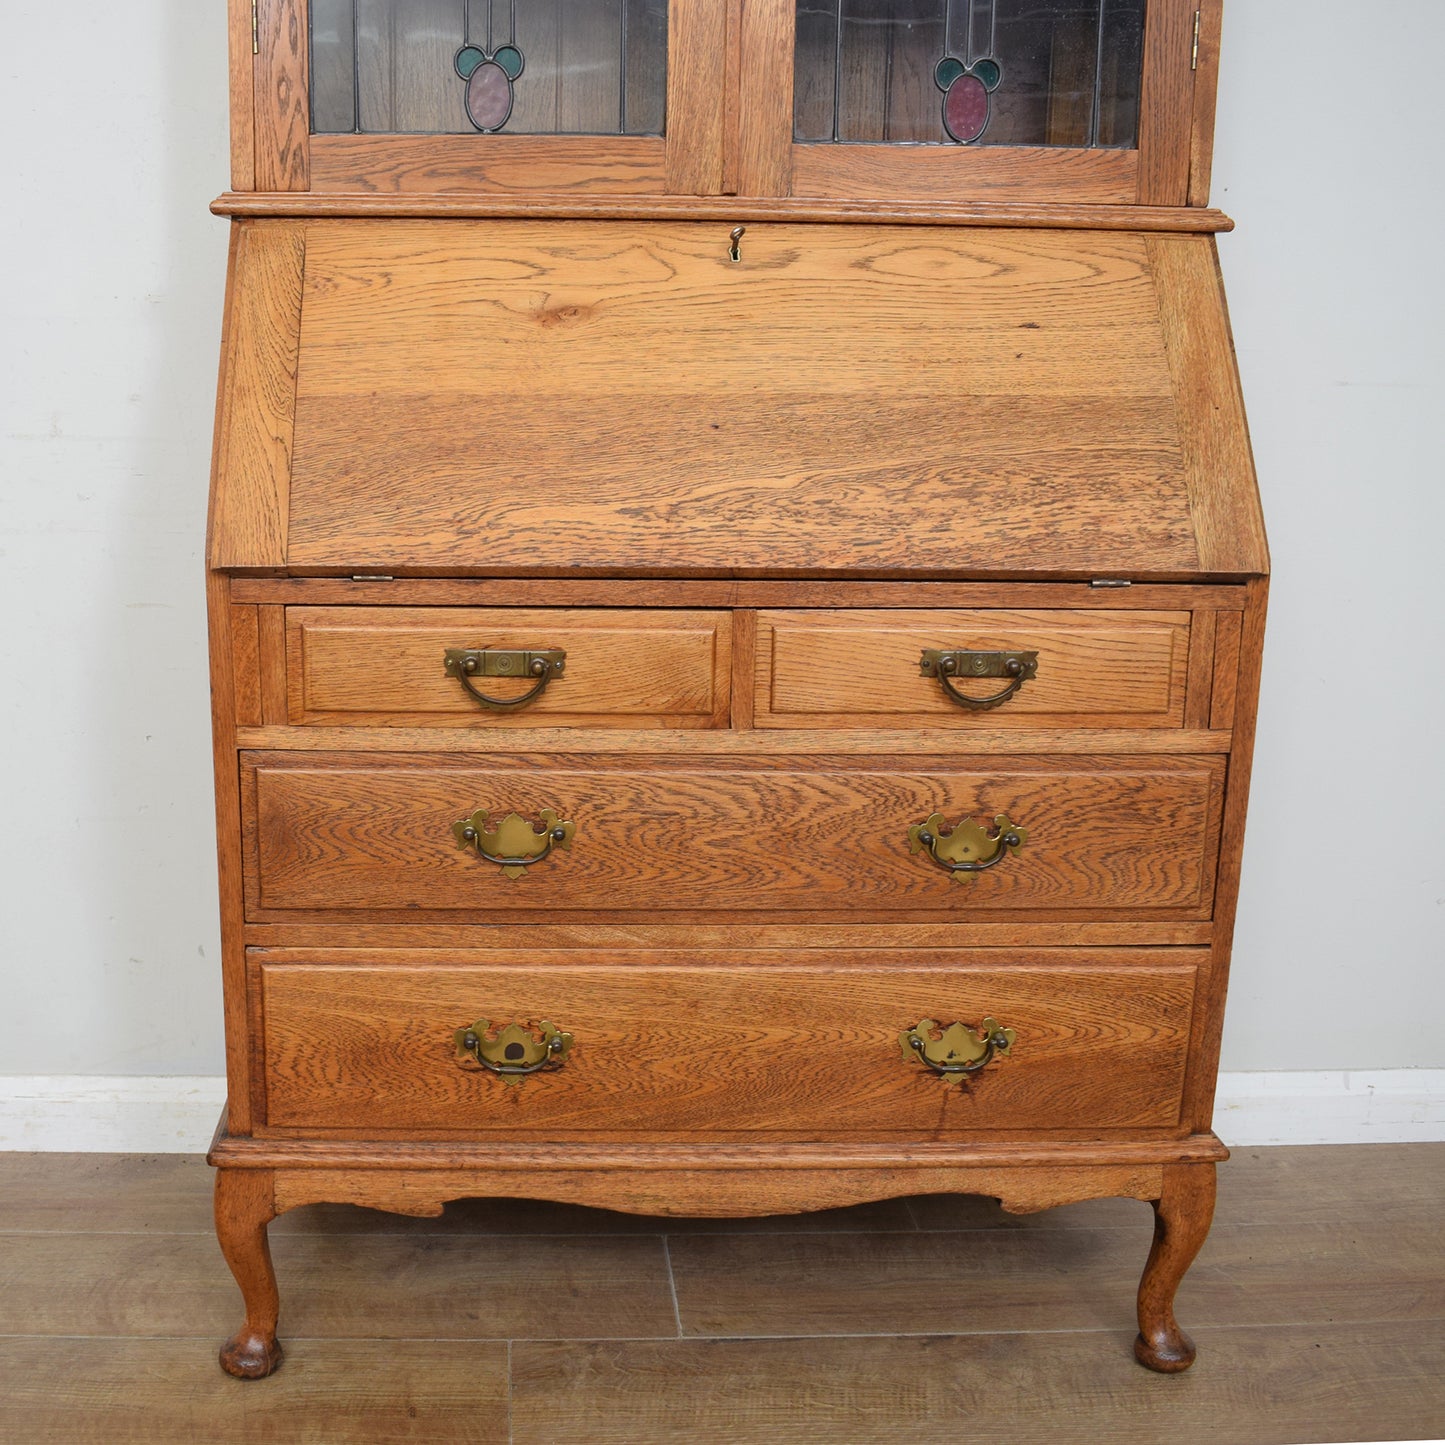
(959, 1050)
(514, 1050)
(969, 847)
(465, 663)
(946, 665)
(515, 843)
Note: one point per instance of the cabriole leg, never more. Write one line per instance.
(245, 1205)
(1181, 1222)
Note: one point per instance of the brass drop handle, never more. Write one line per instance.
(946, 665)
(465, 663)
(516, 843)
(514, 1050)
(957, 1051)
(968, 848)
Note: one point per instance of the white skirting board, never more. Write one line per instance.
(178, 1115)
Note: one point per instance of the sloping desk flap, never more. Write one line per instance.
(532, 398)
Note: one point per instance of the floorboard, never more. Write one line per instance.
(1318, 1304)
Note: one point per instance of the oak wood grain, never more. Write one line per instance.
(789, 742)
(1204, 1054)
(1224, 495)
(1201, 670)
(828, 1195)
(382, 667)
(807, 445)
(724, 1045)
(543, 1159)
(229, 867)
(588, 936)
(1166, 104)
(742, 593)
(242, 76)
(696, 46)
(272, 664)
(859, 668)
(1044, 215)
(885, 174)
(1226, 670)
(245, 638)
(469, 169)
(372, 832)
(1182, 1215)
(245, 1205)
(1206, 91)
(765, 97)
(282, 96)
(253, 481)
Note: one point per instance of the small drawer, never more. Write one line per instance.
(663, 1045)
(1104, 669)
(387, 667)
(1102, 837)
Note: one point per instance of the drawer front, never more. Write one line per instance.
(384, 667)
(861, 668)
(730, 1043)
(1104, 837)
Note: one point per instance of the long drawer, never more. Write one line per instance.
(663, 1044)
(605, 667)
(1100, 837)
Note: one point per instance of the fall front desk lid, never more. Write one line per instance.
(541, 397)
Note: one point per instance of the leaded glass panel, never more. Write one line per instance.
(985, 72)
(521, 67)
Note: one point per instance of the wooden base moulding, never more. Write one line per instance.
(717, 1184)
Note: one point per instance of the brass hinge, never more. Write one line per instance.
(1198, 26)
(256, 28)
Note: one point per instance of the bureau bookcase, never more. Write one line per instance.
(736, 592)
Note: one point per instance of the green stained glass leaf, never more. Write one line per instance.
(510, 59)
(947, 71)
(988, 71)
(468, 58)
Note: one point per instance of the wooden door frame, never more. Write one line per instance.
(273, 149)
(733, 137)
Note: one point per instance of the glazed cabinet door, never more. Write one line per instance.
(414, 97)
(1089, 102)
(1082, 101)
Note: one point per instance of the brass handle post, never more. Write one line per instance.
(465, 663)
(1019, 667)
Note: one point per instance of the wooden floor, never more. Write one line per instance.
(1318, 1306)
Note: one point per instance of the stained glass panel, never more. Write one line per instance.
(969, 72)
(522, 67)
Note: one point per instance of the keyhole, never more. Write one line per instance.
(514, 1051)
(735, 240)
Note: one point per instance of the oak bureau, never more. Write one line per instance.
(736, 587)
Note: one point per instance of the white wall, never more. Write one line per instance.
(110, 294)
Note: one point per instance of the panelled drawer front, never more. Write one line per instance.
(861, 668)
(731, 1043)
(1106, 836)
(383, 667)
